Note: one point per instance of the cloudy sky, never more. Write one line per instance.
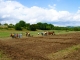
(56, 12)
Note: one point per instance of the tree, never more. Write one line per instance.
(39, 25)
(18, 27)
(51, 26)
(5, 24)
(33, 27)
(0, 24)
(44, 26)
(22, 24)
(10, 26)
(28, 26)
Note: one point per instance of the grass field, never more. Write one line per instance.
(6, 33)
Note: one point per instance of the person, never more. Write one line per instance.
(20, 35)
(45, 33)
(17, 35)
(38, 33)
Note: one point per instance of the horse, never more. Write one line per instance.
(51, 33)
(44, 33)
(28, 34)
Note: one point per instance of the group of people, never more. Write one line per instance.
(16, 35)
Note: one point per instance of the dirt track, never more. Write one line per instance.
(39, 48)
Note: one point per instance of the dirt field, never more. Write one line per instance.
(56, 47)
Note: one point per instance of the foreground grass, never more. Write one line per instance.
(63, 53)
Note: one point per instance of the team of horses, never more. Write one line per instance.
(47, 33)
(42, 33)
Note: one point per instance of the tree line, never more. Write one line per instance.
(41, 26)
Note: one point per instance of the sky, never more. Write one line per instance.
(56, 12)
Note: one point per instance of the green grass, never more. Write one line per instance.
(63, 31)
(6, 33)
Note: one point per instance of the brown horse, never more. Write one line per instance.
(51, 33)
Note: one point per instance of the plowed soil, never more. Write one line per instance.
(42, 48)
